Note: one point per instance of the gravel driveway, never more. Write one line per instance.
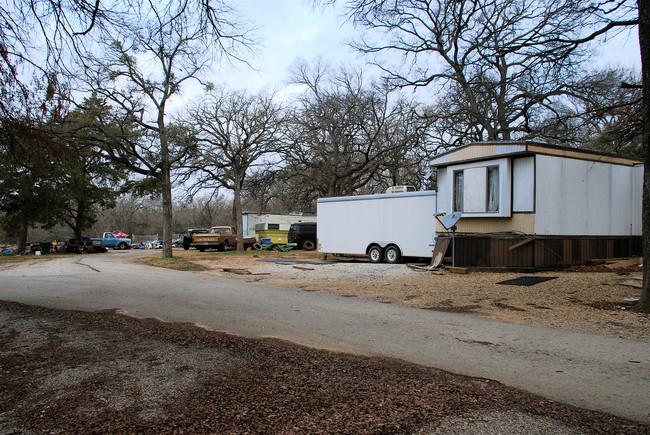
(585, 299)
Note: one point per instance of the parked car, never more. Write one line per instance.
(302, 235)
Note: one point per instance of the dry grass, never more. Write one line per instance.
(587, 302)
(8, 260)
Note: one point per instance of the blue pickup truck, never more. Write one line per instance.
(110, 240)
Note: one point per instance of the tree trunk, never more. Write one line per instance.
(166, 193)
(644, 42)
(78, 234)
(23, 232)
(77, 227)
(237, 215)
(167, 214)
(233, 210)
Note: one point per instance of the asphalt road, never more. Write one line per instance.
(589, 371)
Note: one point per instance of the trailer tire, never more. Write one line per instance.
(376, 254)
(392, 254)
(308, 245)
(201, 248)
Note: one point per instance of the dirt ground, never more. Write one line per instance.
(587, 299)
(64, 372)
(68, 372)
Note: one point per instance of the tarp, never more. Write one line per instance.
(120, 234)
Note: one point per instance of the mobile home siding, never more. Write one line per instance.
(523, 184)
(637, 192)
(519, 222)
(587, 198)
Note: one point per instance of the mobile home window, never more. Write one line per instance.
(273, 226)
(493, 188)
(458, 191)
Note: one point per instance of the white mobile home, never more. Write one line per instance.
(575, 205)
(386, 226)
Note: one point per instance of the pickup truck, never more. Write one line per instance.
(220, 238)
(187, 238)
(110, 240)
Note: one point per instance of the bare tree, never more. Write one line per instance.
(41, 39)
(164, 46)
(131, 214)
(407, 163)
(37, 38)
(203, 211)
(604, 116)
(345, 133)
(498, 64)
(235, 133)
(261, 188)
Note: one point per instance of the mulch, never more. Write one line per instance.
(276, 387)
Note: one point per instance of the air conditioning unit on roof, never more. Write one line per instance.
(400, 189)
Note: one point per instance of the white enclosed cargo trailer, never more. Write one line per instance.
(385, 227)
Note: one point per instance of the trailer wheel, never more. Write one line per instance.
(308, 245)
(376, 254)
(393, 254)
(201, 248)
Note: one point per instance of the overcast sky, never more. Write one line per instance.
(287, 30)
(291, 29)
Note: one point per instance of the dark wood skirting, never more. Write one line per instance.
(518, 251)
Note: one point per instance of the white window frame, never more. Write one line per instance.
(504, 198)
